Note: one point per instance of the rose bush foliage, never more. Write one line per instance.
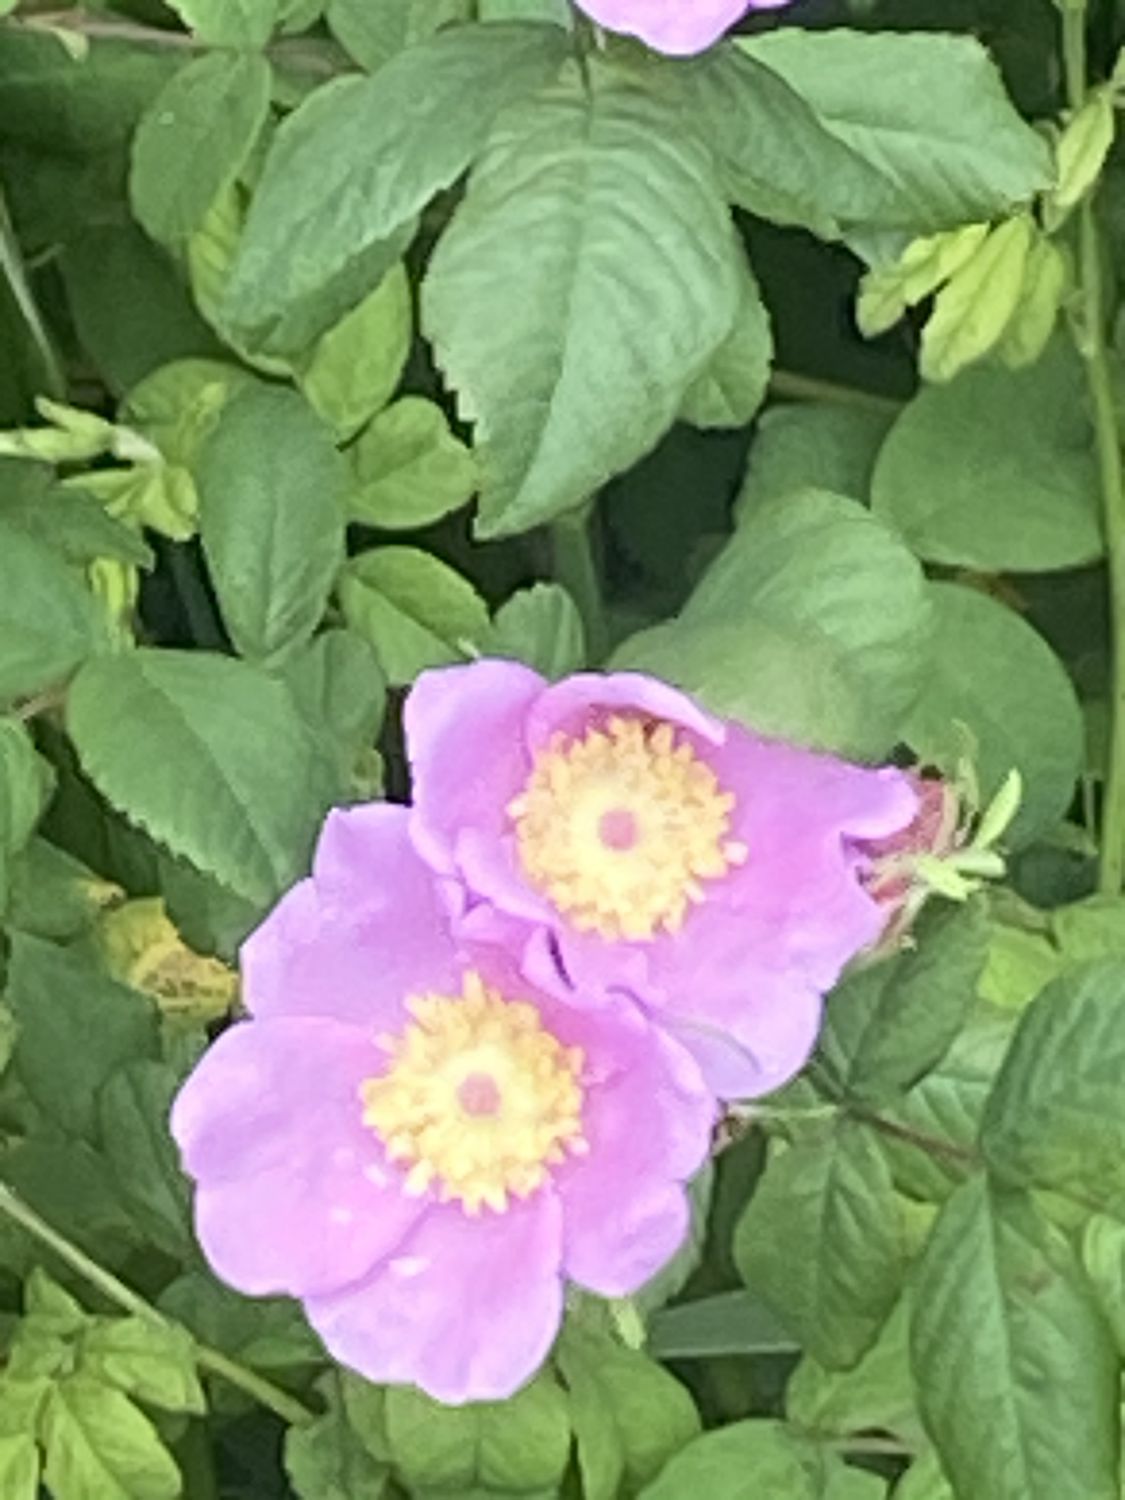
(562, 750)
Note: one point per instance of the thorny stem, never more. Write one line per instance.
(287, 1407)
(1091, 342)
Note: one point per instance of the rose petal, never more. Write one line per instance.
(571, 706)
(649, 1129)
(464, 736)
(369, 929)
(466, 1308)
(677, 27)
(295, 1194)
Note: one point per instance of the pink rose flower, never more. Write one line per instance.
(665, 853)
(678, 27)
(419, 1143)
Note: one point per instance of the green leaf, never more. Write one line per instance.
(1103, 1260)
(133, 1120)
(972, 312)
(19, 1467)
(153, 1361)
(46, 1300)
(629, 1415)
(603, 221)
(99, 1447)
(361, 157)
(150, 494)
(733, 386)
(267, 1333)
(521, 1444)
(947, 1106)
(331, 1459)
(888, 290)
(1090, 929)
(415, 611)
(924, 1480)
(76, 525)
(876, 1396)
(408, 468)
(992, 675)
(76, 1027)
(53, 895)
(130, 306)
(728, 1323)
(69, 1184)
(809, 445)
(177, 406)
(928, 113)
(8, 1032)
(354, 368)
(891, 1022)
(1019, 964)
(1045, 281)
(259, 782)
(1056, 1115)
(1029, 432)
(541, 627)
(1082, 149)
(833, 130)
(812, 624)
(339, 689)
(832, 1197)
(26, 782)
(373, 31)
(1016, 1373)
(21, 1402)
(229, 23)
(39, 1351)
(57, 104)
(555, 12)
(271, 487)
(194, 140)
(49, 623)
(752, 1459)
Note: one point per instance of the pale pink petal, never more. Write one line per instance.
(468, 756)
(295, 1194)
(677, 27)
(370, 928)
(466, 1308)
(578, 703)
(649, 1127)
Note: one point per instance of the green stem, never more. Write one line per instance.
(15, 273)
(577, 571)
(308, 55)
(287, 1407)
(1091, 342)
(792, 386)
(932, 1145)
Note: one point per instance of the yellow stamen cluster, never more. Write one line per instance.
(479, 1100)
(621, 827)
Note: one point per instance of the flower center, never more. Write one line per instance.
(619, 828)
(479, 1100)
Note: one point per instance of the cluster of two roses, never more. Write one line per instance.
(491, 1033)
